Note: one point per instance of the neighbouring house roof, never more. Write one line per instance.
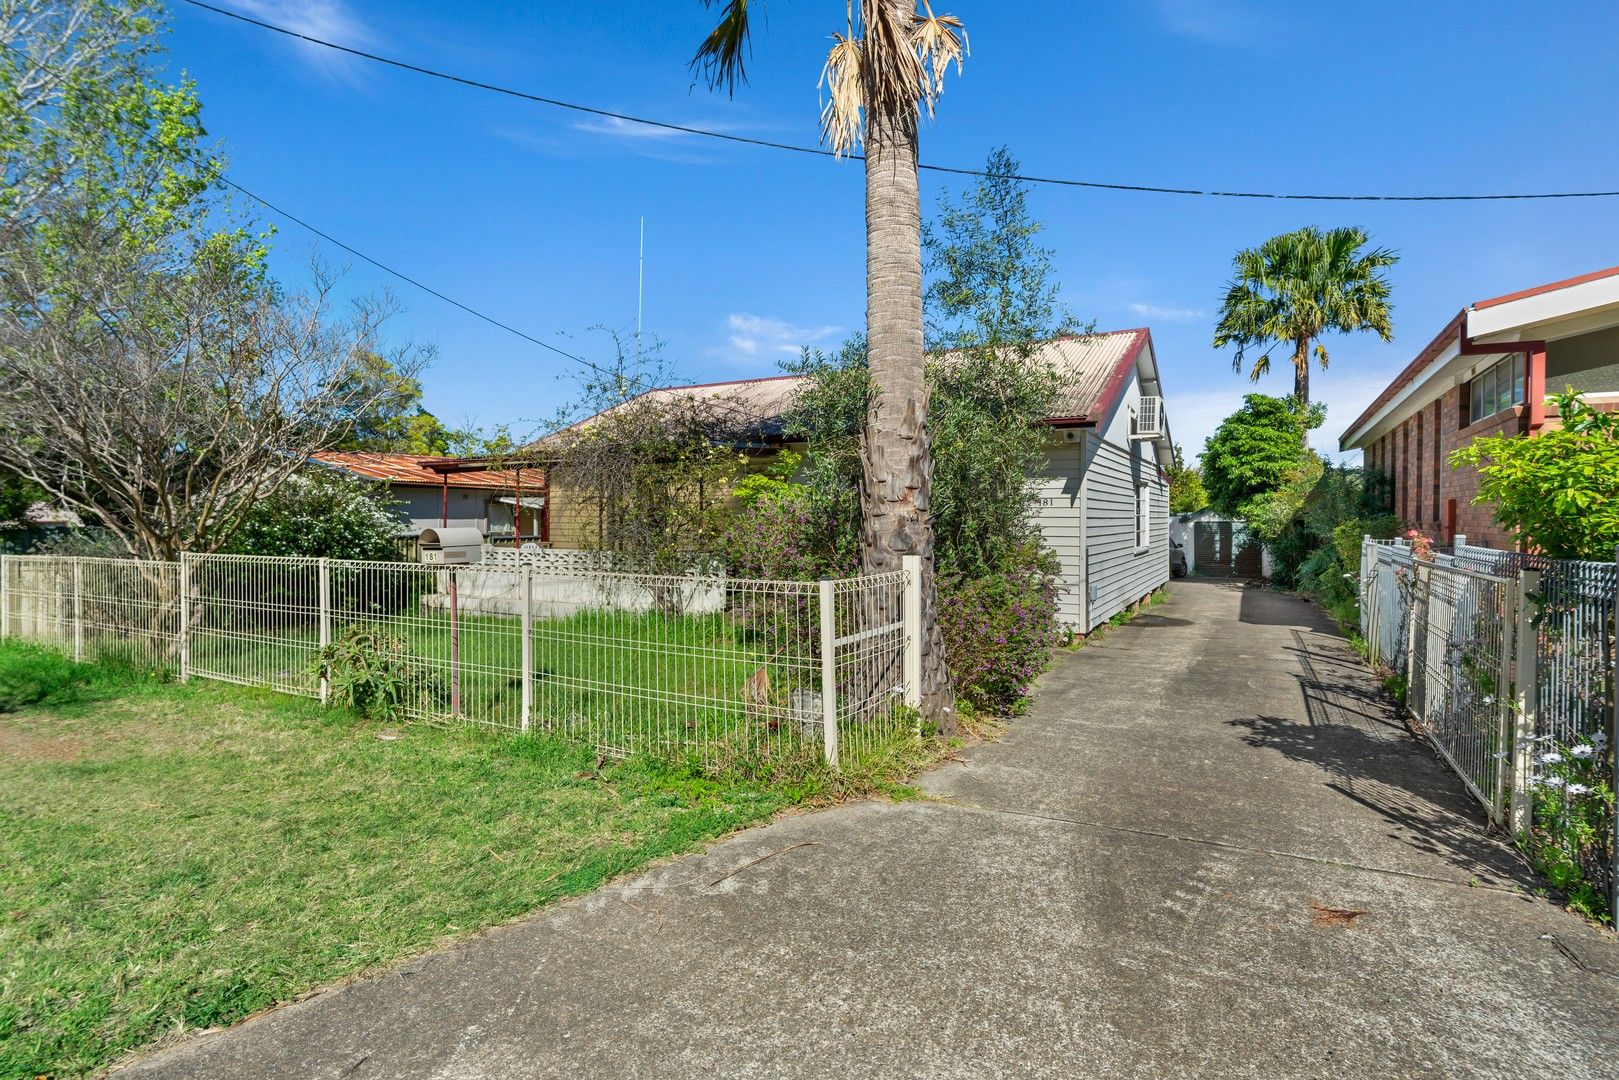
(414, 469)
(1094, 369)
(1545, 312)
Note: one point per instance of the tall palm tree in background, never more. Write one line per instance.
(1296, 287)
(879, 76)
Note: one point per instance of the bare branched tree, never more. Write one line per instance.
(161, 400)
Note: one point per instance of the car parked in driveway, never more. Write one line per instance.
(1177, 560)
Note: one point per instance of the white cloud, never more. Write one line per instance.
(760, 337)
(330, 20)
(1168, 314)
(1223, 21)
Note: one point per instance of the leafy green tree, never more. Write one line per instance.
(1294, 288)
(991, 283)
(16, 496)
(389, 416)
(1186, 492)
(1256, 451)
(1558, 490)
(152, 378)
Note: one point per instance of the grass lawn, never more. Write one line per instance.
(174, 857)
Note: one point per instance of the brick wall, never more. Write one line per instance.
(1408, 455)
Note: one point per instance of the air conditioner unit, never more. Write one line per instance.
(1149, 419)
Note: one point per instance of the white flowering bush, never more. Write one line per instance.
(320, 513)
(1572, 833)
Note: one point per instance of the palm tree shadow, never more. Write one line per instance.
(1353, 731)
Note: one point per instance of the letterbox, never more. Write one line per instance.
(452, 545)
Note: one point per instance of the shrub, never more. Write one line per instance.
(371, 671)
(785, 536)
(321, 513)
(999, 631)
(1559, 490)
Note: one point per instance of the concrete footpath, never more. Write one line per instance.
(1211, 850)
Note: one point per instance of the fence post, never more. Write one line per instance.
(1523, 703)
(78, 610)
(829, 676)
(185, 615)
(527, 649)
(1411, 619)
(324, 570)
(913, 629)
(5, 596)
(1613, 741)
(1458, 542)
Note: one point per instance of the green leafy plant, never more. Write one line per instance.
(1573, 799)
(1558, 490)
(999, 631)
(372, 672)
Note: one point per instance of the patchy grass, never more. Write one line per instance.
(176, 857)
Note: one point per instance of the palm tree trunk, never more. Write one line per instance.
(897, 460)
(1301, 373)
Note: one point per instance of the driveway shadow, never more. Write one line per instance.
(1353, 732)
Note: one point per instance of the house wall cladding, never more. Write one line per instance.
(1060, 521)
(1117, 572)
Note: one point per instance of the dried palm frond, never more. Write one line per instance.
(840, 114)
(937, 46)
(889, 62)
(894, 77)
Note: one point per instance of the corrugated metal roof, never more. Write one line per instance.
(408, 469)
(1093, 369)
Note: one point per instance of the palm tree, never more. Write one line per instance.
(879, 75)
(1294, 288)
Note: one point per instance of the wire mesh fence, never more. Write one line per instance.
(118, 610)
(1551, 762)
(729, 672)
(1461, 673)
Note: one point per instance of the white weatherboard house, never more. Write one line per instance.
(1104, 492)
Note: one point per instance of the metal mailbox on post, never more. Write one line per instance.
(452, 546)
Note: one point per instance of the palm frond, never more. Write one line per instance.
(722, 58)
(939, 40)
(840, 112)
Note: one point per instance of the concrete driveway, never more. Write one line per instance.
(1154, 874)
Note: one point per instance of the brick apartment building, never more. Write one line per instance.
(1487, 372)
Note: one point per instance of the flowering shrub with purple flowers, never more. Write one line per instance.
(999, 631)
(785, 537)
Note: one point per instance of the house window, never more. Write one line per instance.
(1143, 515)
(1496, 389)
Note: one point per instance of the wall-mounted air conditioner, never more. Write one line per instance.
(1149, 419)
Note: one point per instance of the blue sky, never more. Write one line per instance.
(531, 214)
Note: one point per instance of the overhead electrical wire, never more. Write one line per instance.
(401, 275)
(818, 151)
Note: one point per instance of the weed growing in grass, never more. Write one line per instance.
(33, 675)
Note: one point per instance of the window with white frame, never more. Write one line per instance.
(1496, 389)
(1143, 515)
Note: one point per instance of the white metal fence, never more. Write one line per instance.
(735, 672)
(1509, 662)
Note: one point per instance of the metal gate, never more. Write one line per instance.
(1462, 653)
(1224, 549)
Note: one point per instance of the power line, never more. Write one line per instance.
(818, 151)
(401, 275)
